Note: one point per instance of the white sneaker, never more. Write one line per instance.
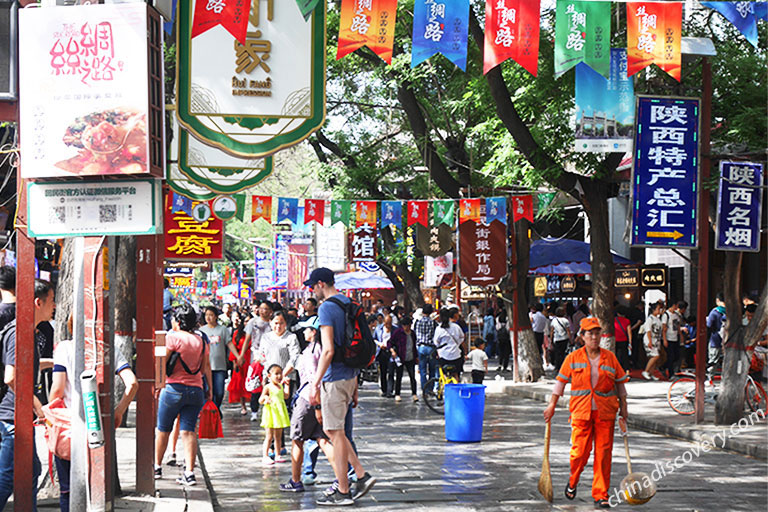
(654, 377)
(646, 375)
(254, 416)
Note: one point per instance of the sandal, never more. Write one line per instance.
(602, 504)
(570, 492)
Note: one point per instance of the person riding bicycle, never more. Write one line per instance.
(448, 339)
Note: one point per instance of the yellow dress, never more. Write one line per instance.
(274, 413)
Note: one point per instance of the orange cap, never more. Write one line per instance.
(589, 323)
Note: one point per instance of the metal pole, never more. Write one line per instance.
(703, 270)
(78, 488)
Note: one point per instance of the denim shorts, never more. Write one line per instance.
(186, 402)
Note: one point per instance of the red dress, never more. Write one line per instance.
(236, 386)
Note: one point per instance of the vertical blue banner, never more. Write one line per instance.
(496, 209)
(287, 209)
(440, 26)
(391, 214)
(181, 204)
(280, 280)
(665, 172)
(605, 108)
(739, 204)
(264, 262)
(741, 15)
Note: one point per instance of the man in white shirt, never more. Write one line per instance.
(540, 324)
(671, 334)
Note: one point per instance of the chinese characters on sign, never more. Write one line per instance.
(582, 32)
(739, 205)
(368, 23)
(654, 36)
(264, 262)
(363, 244)
(665, 172)
(440, 26)
(481, 261)
(187, 239)
(254, 53)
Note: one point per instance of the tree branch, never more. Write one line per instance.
(334, 148)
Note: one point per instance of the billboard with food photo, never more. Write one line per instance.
(85, 108)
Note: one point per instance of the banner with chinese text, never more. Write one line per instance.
(469, 209)
(665, 172)
(440, 26)
(232, 15)
(511, 31)
(264, 271)
(368, 23)
(739, 205)
(482, 253)
(391, 214)
(366, 213)
(297, 265)
(261, 208)
(741, 15)
(605, 108)
(654, 36)
(582, 34)
(522, 208)
(340, 211)
(418, 213)
(187, 239)
(314, 209)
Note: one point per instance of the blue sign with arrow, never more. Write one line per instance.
(665, 172)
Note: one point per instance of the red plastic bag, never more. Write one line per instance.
(253, 380)
(210, 422)
(58, 428)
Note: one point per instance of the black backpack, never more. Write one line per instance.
(358, 349)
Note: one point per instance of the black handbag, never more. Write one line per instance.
(170, 363)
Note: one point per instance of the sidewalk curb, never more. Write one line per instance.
(656, 427)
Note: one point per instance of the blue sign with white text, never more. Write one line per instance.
(665, 172)
(739, 202)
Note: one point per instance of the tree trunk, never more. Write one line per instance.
(65, 291)
(595, 201)
(729, 407)
(123, 299)
(529, 361)
(404, 280)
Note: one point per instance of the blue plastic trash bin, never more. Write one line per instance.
(464, 410)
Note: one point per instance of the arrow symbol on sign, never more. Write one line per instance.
(665, 234)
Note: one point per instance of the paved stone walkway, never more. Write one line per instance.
(404, 446)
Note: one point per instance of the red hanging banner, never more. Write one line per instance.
(314, 209)
(368, 23)
(418, 213)
(522, 208)
(654, 36)
(482, 252)
(366, 213)
(469, 209)
(261, 208)
(230, 14)
(511, 31)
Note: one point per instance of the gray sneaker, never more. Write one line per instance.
(336, 499)
(362, 486)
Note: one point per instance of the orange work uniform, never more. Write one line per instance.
(593, 413)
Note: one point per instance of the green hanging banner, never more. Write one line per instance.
(545, 200)
(340, 211)
(443, 212)
(242, 213)
(583, 34)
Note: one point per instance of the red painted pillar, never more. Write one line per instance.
(148, 311)
(25, 377)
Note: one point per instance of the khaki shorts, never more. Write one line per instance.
(335, 398)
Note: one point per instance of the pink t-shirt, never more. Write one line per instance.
(188, 346)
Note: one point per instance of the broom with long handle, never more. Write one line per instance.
(545, 480)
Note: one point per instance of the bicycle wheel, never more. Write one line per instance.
(681, 395)
(755, 396)
(433, 396)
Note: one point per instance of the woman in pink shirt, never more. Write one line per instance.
(183, 394)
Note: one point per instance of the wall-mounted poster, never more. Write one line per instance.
(86, 108)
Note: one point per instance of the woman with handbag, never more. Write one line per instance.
(183, 395)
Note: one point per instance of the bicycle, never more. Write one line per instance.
(434, 394)
(681, 395)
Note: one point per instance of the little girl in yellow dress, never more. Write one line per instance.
(274, 414)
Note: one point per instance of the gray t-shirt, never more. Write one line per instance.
(218, 347)
(9, 358)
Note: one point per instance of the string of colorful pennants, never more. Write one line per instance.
(582, 30)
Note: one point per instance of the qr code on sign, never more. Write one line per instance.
(57, 215)
(107, 213)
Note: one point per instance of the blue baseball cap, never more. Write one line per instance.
(320, 274)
